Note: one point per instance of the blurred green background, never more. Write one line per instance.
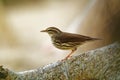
(22, 46)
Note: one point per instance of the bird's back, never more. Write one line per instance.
(70, 37)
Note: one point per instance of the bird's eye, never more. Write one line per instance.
(49, 30)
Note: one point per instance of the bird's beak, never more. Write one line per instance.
(43, 31)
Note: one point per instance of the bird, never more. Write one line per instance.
(67, 41)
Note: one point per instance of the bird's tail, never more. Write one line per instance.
(94, 39)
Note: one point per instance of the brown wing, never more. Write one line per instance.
(69, 37)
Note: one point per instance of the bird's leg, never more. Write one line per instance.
(73, 50)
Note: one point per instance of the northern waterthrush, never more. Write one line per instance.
(67, 41)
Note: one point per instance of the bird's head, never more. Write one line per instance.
(52, 31)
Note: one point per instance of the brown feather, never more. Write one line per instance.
(70, 37)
